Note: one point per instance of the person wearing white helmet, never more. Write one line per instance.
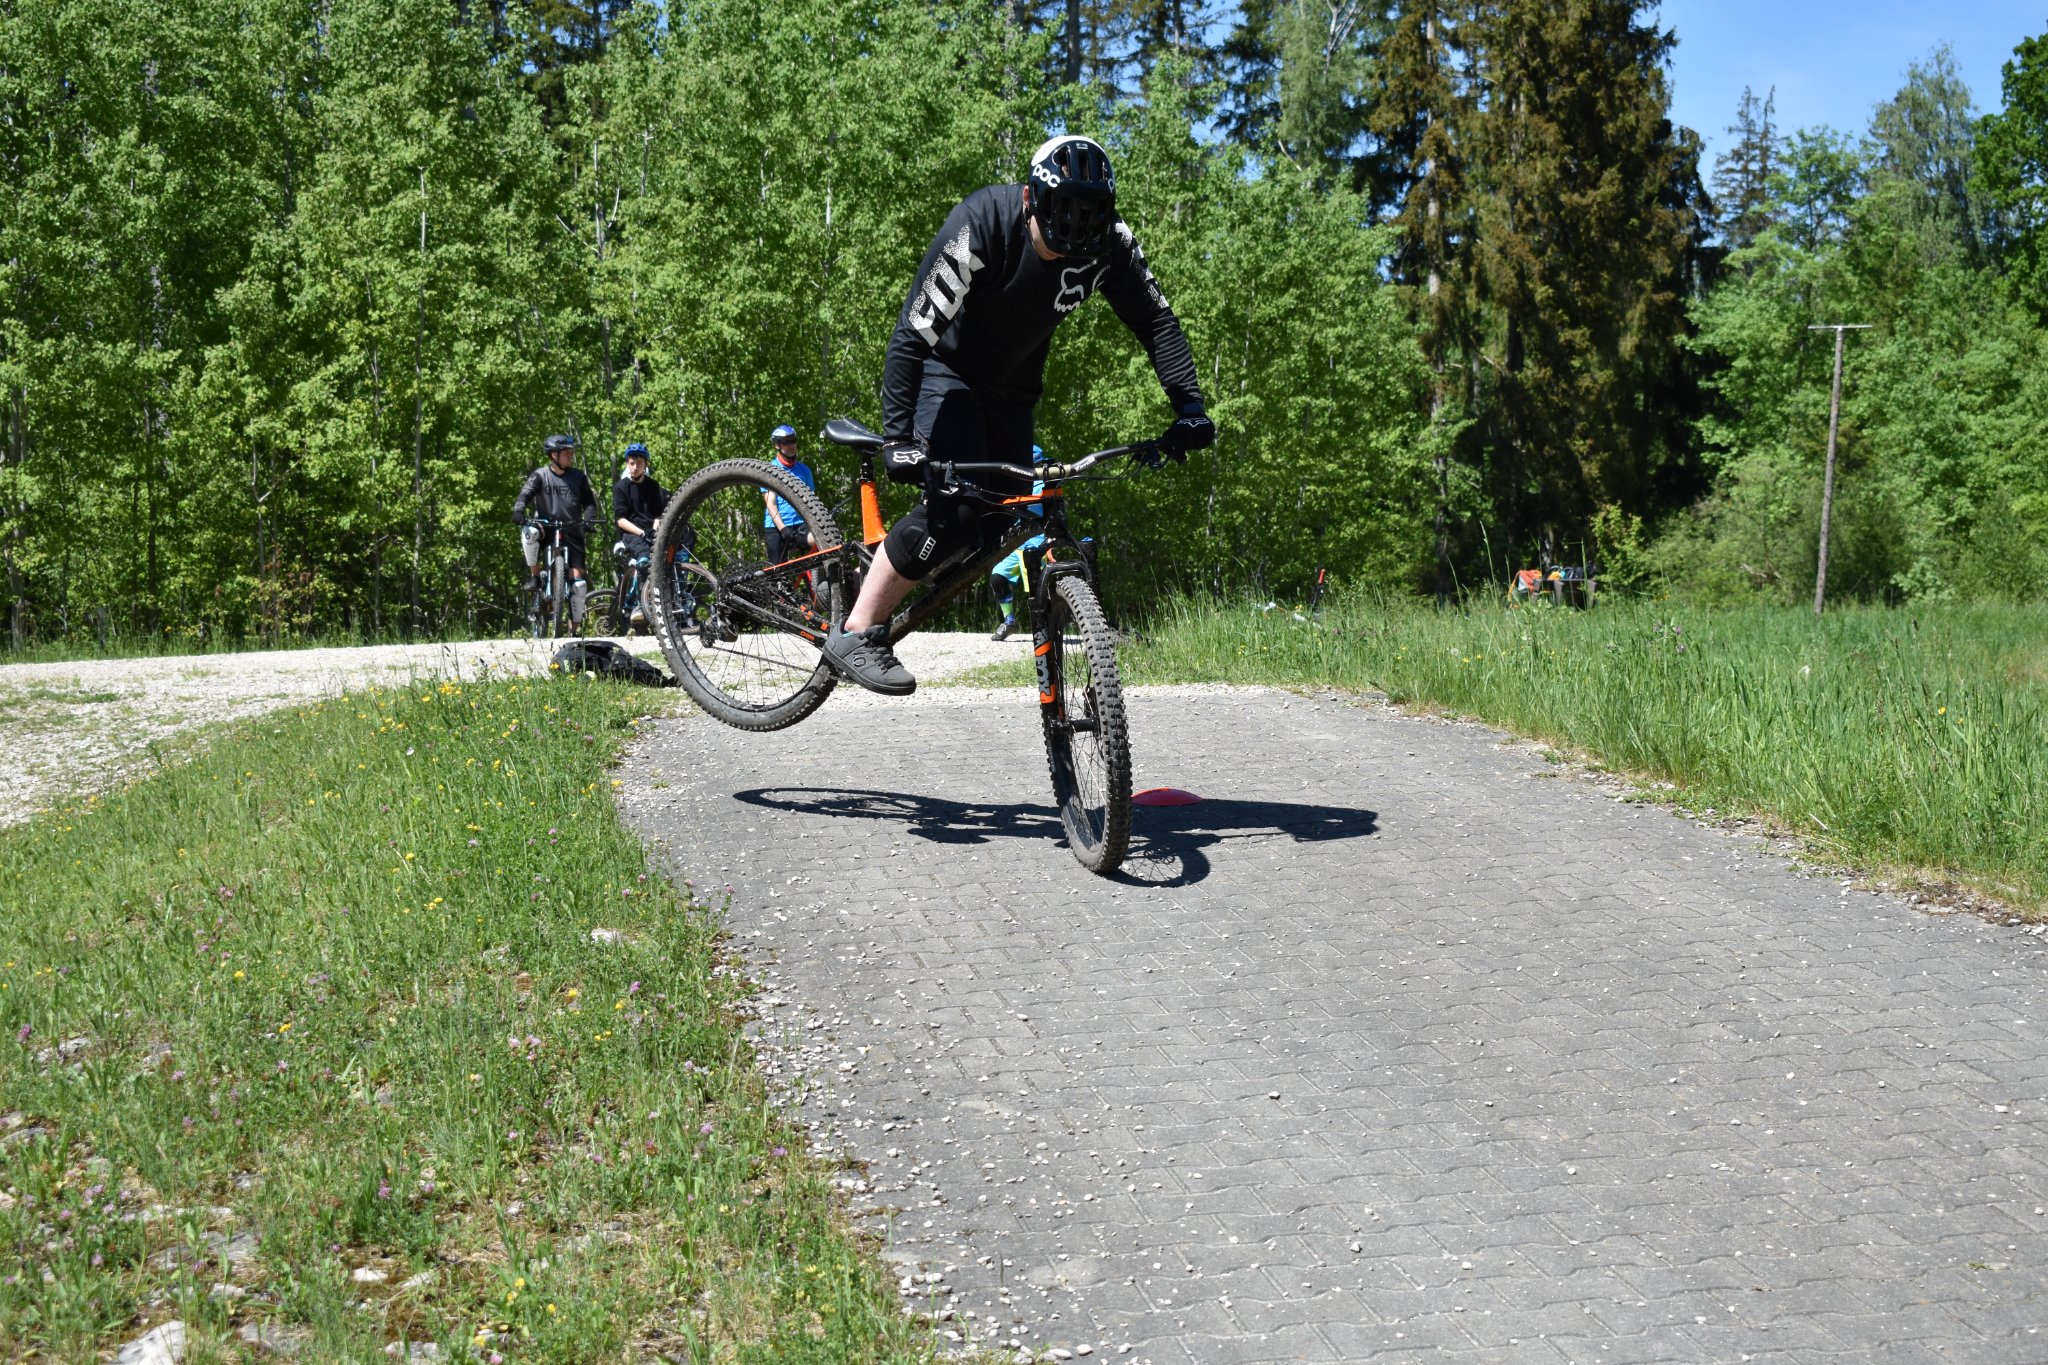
(966, 365)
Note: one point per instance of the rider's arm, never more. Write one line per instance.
(774, 512)
(963, 248)
(619, 517)
(1136, 297)
(588, 495)
(527, 491)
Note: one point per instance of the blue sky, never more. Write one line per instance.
(1831, 60)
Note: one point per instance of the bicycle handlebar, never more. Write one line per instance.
(1057, 473)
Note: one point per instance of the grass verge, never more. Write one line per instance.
(1891, 738)
(370, 1026)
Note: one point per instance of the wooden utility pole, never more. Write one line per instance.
(1827, 487)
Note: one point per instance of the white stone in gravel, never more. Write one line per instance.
(163, 1345)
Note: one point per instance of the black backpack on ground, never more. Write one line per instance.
(607, 660)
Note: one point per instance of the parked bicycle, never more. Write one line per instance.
(742, 635)
(547, 611)
(609, 611)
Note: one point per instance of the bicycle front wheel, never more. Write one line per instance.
(558, 599)
(601, 613)
(741, 634)
(1087, 741)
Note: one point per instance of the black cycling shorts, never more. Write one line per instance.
(572, 547)
(787, 542)
(956, 423)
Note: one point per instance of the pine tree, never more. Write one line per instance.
(1583, 241)
(1742, 174)
(1424, 104)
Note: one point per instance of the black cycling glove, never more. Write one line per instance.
(905, 461)
(1192, 430)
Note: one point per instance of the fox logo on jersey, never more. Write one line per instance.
(1077, 282)
(945, 289)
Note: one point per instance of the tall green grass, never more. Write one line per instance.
(371, 1025)
(1916, 738)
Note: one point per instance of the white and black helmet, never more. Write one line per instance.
(1073, 195)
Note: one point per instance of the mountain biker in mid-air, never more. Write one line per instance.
(637, 502)
(966, 365)
(560, 492)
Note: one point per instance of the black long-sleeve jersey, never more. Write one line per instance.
(640, 503)
(984, 305)
(564, 497)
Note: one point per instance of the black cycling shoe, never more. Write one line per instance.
(864, 657)
(1006, 629)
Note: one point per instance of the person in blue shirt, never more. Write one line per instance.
(782, 526)
(1009, 575)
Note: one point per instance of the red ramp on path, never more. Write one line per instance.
(1163, 796)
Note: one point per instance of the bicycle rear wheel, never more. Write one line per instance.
(1087, 742)
(742, 635)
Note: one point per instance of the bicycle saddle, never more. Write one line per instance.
(844, 431)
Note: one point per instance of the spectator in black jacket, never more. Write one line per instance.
(559, 492)
(637, 502)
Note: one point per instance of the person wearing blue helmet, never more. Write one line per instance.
(637, 503)
(782, 526)
(1011, 574)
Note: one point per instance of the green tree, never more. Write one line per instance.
(1424, 102)
(429, 260)
(1921, 154)
(2012, 154)
(1587, 214)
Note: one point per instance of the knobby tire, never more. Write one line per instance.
(600, 609)
(742, 667)
(1087, 737)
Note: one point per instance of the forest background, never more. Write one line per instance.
(294, 290)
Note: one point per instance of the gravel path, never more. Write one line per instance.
(72, 728)
(1400, 1045)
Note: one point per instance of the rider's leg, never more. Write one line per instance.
(999, 586)
(956, 424)
(880, 590)
(577, 586)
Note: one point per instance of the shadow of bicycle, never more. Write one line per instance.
(1170, 846)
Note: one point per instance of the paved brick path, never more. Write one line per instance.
(1397, 1046)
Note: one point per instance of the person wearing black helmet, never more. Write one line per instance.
(560, 492)
(966, 364)
(637, 503)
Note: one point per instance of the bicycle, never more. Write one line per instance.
(742, 635)
(611, 609)
(547, 609)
